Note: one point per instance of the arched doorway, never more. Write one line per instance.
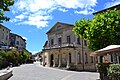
(69, 58)
(52, 59)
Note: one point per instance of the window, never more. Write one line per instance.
(17, 42)
(96, 58)
(59, 41)
(78, 40)
(68, 39)
(92, 59)
(86, 58)
(52, 41)
(115, 58)
(111, 58)
(21, 44)
(85, 43)
(119, 59)
(79, 58)
(59, 26)
(7, 37)
(2, 35)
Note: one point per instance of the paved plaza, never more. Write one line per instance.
(37, 72)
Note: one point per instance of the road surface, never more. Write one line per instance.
(37, 72)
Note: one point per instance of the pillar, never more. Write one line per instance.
(48, 59)
(60, 60)
(68, 63)
(76, 57)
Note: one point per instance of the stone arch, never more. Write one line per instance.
(51, 60)
(70, 59)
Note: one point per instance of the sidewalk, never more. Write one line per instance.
(6, 73)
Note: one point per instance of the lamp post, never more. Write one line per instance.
(75, 54)
(82, 54)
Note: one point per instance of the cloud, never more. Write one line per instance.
(85, 11)
(38, 24)
(63, 9)
(112, 3)
(34, 52)
(39, 12)
(24, 37)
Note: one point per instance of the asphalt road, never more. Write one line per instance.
(37, 72)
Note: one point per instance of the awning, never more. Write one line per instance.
(105, 50)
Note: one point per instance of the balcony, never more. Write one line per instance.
(63, 45)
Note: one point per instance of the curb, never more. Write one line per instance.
(5, 74)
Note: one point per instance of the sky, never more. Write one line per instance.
(31, 19)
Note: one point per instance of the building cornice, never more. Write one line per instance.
(57, 24)
(110, 8)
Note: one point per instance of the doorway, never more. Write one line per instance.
(52, 60)
(69, 58)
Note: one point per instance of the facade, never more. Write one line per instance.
(64, 49)
(17, 41)
(4, 36)
(110, 53)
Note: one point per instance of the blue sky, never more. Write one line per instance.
(33, 18)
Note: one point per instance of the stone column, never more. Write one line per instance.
(68, 63)
(48, 59)
(76, 57)
(117, 58)
(60, 60)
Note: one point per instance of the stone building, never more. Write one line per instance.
(4, 36)
(17, 41)
(64, 49)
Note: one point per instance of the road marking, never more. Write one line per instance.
(67, 77)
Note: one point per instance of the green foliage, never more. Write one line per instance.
(3, 60)
(13, 56)
(114, 70)
(101, 31)
(4, 6)
(25, 55)
(2, 53)
(103, 67)
(81, 26)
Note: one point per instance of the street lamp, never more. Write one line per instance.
(82, 53)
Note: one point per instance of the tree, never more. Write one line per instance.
(25, 55)
(80, 28)
(13, 57)
(101, 31)
(3, 60)
(4, 6)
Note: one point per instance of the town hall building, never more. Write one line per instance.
(64, 49)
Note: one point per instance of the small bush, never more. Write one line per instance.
(114, 70)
